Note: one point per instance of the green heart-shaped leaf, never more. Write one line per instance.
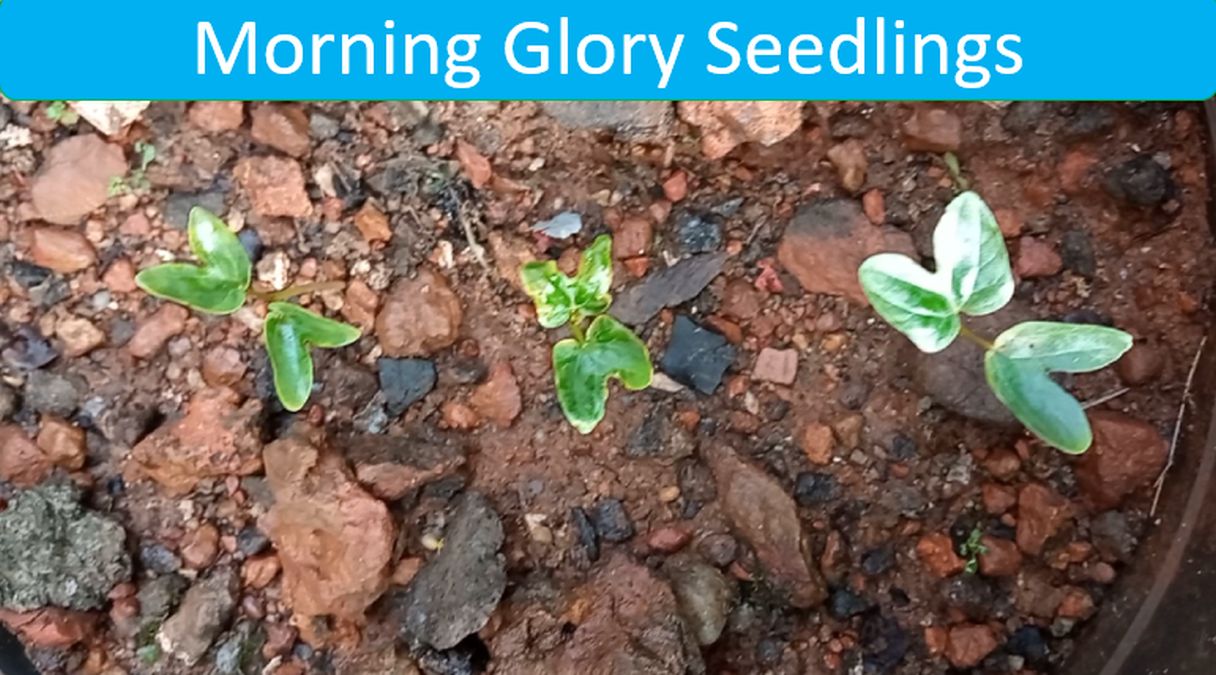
(550, 290)
(559, 298)
(1064, 347)
(970, 252)
(218, 284)
(912, 299)
(1018, 368)
(582, 369)
(290, 332)
(1048, 411)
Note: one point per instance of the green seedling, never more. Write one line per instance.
(972, 549)
(973, 278)
(137, 179)
(62, 113)
(601, 348)
(220, 283)
(956, 172)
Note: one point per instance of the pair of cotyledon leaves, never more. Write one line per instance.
(973, 277)
(218, 284)
(583, 365)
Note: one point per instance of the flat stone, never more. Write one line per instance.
(205, 611)
(61, 250)
(454, 594)
(334, 540)
(404, 382)
(275, 186)
(391, 467)
(74, 180)
(219, 436)
(1126, 456)
(697, 357)
(725, 125)
(669, 287)
(764, 516)
(828, 240)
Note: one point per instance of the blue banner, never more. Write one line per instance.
(859, 50)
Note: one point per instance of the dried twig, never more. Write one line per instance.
(1186, 397)
(479, 251)
(1105, 398)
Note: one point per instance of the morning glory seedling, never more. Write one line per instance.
(600, 350)
(220, 283)
(973, 278)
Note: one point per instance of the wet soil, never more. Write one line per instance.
(1104, 208)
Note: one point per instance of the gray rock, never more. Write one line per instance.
(636, 120)
(453, 596)
(612, 521)
(179, 204)
(157, 597)
(667, 288)
(323, 127)
(954, 378)
(705, 596)
(203, 614)
(8, 401)
(1140, 181)
(697, 357)
(53, 552)
(404, 382)
(55, 394)
(1113, 536)
(698, 234)
(239, 651)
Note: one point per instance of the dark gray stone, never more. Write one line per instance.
(8, 401)
(1140, 181)
(454, 595)
(669, 287)
(157, 597)
(322, 127)
(159, 559)
(845, 604)
(179, 204)
(52, 393)
(1077, 252)
(54, 552)
(29, 275)
(812, 488)
(1025, 117)
(697, 357)
(404, 382)
(698, 234)
(612, 522)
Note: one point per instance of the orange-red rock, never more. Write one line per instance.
(282, 126)
(64, 251)
(75, 178)
(217, 116)
(155, 331)
(1127, 455)
(275, 186)
(22, 463)
(62, 442)
(937, 553)
(219, 436)
(420, 316)
(51, 627)
(498, 399)
(334, 540)
(1041, 513)
(969, 644)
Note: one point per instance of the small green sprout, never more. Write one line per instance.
(973, 278)
(137, 179)
(600, 350)
(972, 549)
(62, 113)
(956, 172)
(219, 285)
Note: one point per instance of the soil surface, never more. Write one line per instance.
(800, 492)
